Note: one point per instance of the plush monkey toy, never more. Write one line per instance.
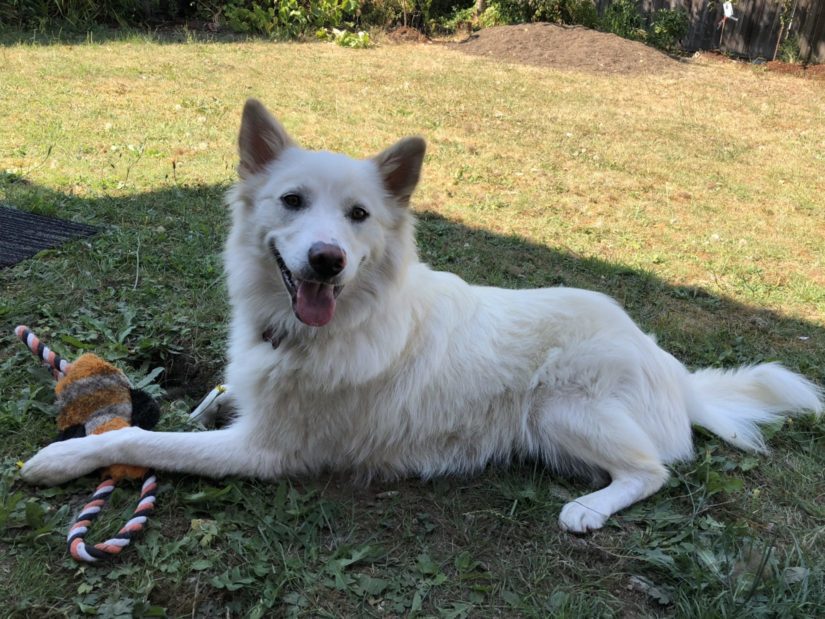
(94, 397)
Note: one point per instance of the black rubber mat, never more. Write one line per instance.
(22, 234)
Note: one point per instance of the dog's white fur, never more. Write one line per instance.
(420, 373)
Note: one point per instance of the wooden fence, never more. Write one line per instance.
(757, 30)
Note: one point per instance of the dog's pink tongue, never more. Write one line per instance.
(315, 303)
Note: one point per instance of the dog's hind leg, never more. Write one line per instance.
(216, 453)
(602, 435)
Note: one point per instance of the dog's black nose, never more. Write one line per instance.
(327, 260)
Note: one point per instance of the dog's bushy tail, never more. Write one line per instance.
(731, 403)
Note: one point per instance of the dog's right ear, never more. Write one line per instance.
(400, 167)
(262, 139)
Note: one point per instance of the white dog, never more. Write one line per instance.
(348, 353)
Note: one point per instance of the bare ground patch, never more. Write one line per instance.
(805, 71)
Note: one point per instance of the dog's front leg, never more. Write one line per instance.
(215, 453)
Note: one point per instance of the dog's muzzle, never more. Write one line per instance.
(313, 300)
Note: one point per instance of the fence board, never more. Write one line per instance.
(812, 30)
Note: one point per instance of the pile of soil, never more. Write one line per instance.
(567, 47)
(583, 49)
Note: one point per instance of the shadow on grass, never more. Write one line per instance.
(148, 290)
(159, 253)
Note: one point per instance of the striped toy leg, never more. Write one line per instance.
(76, 541)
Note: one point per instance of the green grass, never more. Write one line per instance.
(694, 198)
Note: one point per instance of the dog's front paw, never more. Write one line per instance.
(61, 461)
(578, 518)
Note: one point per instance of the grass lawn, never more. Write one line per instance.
(695, 198)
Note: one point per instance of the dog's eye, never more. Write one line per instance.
(357, 213)
(292, 201)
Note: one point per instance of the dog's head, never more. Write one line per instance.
(323, 221)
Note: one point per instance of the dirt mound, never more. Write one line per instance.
(567, 47)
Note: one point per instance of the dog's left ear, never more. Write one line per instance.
(400, 167)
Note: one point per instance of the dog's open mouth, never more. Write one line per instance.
(313, 302)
